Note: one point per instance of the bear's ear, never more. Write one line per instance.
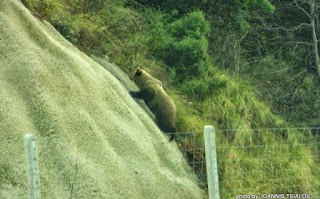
(138, 72)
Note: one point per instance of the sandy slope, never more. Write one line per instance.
(80, 113)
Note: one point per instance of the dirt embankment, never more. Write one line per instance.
(81, 114)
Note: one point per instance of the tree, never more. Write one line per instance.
(304, 29)
(287, 63)
(313, 16)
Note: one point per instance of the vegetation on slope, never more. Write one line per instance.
(199, 50)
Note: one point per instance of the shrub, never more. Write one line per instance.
(184, 45)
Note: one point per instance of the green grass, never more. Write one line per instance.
(268, 161)
(251, 161)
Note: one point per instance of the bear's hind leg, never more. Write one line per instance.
(167, 128)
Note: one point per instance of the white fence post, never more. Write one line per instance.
(33, 168)
(211, 162)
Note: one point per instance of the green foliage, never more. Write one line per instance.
(194, 25)
(276, 162)
(183, 46)
(227, 101)
(92, 26)
(187, 6)
(182, 7)
(290, 91)
(235, 13)
(6, 175)
(47, 9)
(205, 85)
(197, 88)
(284, 69)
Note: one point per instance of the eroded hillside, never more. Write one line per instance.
(85, 121)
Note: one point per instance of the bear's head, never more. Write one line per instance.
(137, 72)
(143, 79)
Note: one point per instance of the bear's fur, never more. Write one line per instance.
(157, 100)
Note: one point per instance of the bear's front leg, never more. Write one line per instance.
(134, 94)
(146, 94)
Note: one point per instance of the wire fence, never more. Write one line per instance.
(260, 163)
(252, 163)
(192, 148)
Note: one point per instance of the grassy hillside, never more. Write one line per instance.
(133, 35)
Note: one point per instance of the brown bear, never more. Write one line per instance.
(157, 100)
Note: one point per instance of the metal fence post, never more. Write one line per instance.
(33, 168)
(211, 162)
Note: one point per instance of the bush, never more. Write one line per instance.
(196, 88)
(184, 45)
(204, 86)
